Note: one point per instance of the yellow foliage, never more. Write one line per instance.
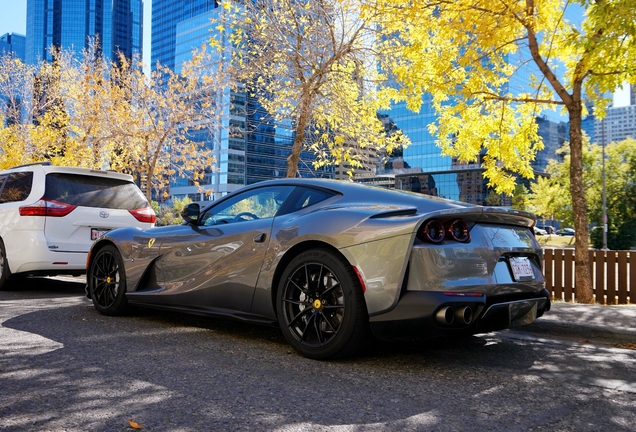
(467, 55)
(88, 112)
(312, 63)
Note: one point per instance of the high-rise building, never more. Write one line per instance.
(619, 122)
(248, 144)
(73, 24)
(166, 15)
(12, 43)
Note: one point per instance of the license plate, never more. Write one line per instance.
(98, 232)
(521, 268)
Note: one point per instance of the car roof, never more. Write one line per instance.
(368, 194)
(48, 168)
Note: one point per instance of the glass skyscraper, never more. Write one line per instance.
(71, 24)
(248, 144)
(12, 43)
(166, 14)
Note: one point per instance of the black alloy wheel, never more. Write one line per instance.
(107, 281)
(321, 307)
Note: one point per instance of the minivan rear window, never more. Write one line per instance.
(92, 191)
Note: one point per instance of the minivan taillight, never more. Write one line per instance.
(46, 207)
(146, 214)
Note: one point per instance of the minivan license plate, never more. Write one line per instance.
(98, 232)
(521, 268)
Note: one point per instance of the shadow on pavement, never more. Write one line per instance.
(28, 287)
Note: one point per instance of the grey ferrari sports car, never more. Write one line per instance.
(333, 263)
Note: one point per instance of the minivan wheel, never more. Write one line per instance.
(107, 281)
(4, 268)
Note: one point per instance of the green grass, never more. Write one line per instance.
(555, 241)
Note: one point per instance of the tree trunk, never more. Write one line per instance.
(302, 119)
(582, 278)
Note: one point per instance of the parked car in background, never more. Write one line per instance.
(539, 231)
(547, 228)
(331, 262)
(50, 216)
(566, 232)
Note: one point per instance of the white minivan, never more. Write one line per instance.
(50, 216)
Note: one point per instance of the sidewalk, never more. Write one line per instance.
(612, 318)
(595, 324)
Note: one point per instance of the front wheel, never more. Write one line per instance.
(107, 281)
(321, 308)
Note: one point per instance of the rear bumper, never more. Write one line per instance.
(424, 315)
(28, 252)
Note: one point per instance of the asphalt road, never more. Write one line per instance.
(64, 367)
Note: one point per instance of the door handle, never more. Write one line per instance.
(260, 238)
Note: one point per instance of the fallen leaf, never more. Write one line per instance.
(584, 341)
(627, 345)
(134, 424)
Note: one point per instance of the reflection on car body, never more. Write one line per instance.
(331, 263)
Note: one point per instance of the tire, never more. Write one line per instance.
(107, 282)
(4, 269)
(321, 308)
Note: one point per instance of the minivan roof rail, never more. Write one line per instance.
(45, 163)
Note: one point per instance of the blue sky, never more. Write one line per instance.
(13, 16)
(13, 20)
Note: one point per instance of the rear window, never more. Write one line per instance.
(91, 191)
(17, 187)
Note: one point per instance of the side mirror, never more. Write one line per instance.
(191, 212)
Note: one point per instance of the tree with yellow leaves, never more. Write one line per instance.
(467, 53)
(312, 63)
(25, 131)
(154, 118)
(91, 113)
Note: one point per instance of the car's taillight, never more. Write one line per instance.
(46, 207)
(435, 231)
(458, 231)
(432, 231)
(146, 214)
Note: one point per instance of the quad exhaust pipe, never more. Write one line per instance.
(462, 315)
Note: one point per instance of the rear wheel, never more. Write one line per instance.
(4, 268)
(107, 281)
(321, 308)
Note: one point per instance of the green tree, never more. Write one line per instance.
(551, 195)
(493, 199)
(620, 179)
(167, 215)
(468, 52)
(520, 198)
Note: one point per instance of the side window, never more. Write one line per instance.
(3, 177)
(259, 203)
(304, 197)
(17, 187)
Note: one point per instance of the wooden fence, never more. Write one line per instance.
(613, 275)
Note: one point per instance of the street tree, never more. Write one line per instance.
(156, 118)
(520, 198)
(467, 53)
(84, 111)
(311, 62)
(620, 179)
(551, 195)
(29, 108)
